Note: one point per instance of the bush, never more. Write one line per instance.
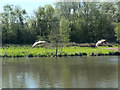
(30, 55)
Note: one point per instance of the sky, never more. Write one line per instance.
(31, 5)
(28, 5)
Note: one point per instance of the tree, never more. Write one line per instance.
(40, 21)
(106, 28)
(54, 35)
(64, 30)
(13, 24)
(82, 22)
(117, 31)
(5, 23)
(49, 15)
(64, 9)
(117, 12)
(20, 24)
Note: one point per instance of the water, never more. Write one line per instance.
(65, 72)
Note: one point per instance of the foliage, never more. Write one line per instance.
(117, 31)
(64, 30)
(79, 22)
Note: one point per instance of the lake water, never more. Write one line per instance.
(63, 72)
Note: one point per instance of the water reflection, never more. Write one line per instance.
(67, 72)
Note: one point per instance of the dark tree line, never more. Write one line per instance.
(69, 21)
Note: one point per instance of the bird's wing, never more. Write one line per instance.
(98, 43)
(103, 40)
(44, 42)
(35, 44)
(39, 42)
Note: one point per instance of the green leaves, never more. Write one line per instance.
(117, 31)
(68, 21)
(64, 30)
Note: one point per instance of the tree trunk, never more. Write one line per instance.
(56, 49)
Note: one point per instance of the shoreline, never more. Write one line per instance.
(63, 55)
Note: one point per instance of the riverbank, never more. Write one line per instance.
(26, 51)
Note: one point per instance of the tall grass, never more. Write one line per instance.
(21, 51)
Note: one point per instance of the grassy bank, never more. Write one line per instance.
(24, 51)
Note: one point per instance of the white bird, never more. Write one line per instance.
(39, 42)
(100, 42)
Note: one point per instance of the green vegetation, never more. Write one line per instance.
(80, 22)
(23, 51)
(117, 31)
